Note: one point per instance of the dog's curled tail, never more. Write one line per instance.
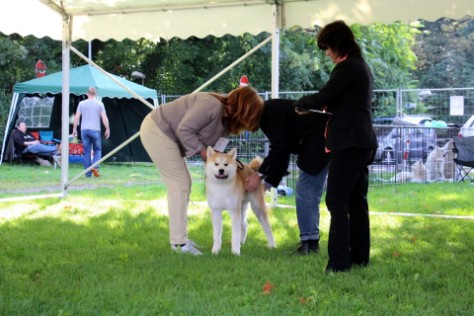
(256, 163)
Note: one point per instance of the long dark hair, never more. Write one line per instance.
(339, 37)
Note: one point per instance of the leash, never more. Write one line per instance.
(240, 165)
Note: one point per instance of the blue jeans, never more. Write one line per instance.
(309, 189)
(91, 140)
(40, 149)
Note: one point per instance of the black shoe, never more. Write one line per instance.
(330, 269)
(308, 246)
(360, 263)
(303, 248)
(314, 245)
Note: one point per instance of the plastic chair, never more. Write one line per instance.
(47, 137)
(464, 159)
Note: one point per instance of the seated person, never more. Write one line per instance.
(25, 143)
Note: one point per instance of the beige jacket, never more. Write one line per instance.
(194, 121)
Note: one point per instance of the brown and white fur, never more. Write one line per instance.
(419, 171)
(225, 190)
(435, 165)
(449, 166)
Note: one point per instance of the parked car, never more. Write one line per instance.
(409, 139)
(382, 125)
(383, 120)
(468, 128)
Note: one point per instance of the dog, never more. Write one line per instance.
(225, 190)
(419, 171)
(402, 177)
(435, 165)
(449, 166)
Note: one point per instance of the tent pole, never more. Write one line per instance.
(275, 70)
(226, 69)
(7, 128)
(90, 62)
(276, 51)
(125, 143)
(66, 42)
(133, 137)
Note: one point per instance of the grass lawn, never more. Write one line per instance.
(104, 250)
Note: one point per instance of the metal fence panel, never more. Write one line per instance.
(406, 153)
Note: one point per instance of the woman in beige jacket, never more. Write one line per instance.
(185, 127)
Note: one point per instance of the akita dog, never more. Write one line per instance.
(225, 190)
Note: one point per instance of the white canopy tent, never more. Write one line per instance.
(152, 19)
(70, 20)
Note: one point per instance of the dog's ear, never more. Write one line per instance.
(210, 151)
(233, 153)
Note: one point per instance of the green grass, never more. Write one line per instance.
(105, 251)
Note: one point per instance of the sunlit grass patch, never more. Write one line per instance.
(105, 250)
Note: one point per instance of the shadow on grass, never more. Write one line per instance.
(96, 259)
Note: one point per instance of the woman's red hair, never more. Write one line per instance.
(243, 108)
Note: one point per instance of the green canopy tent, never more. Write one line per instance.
(39, 102)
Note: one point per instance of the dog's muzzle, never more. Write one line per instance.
(221, 175)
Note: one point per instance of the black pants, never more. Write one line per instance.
(346, 199)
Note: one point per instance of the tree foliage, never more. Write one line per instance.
(445, 51)
(436, 54)
(388, 51)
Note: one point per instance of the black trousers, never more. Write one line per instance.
(346, 199)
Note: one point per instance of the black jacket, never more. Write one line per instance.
(348, 95)
(290, 133)
(19, 139)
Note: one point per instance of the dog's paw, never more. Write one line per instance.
(236, 251)
(215, 250)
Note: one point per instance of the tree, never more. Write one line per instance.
(388, 51)
(445, 51)
(13, 63)
(122, 58)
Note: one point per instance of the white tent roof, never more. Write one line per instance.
(152, 19)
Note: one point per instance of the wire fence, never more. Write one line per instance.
(409, 150)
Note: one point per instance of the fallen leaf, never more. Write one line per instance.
(396, 254)
(304, 300)
(267, 288)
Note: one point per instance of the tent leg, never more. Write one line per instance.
(9, 123)
(66, 42)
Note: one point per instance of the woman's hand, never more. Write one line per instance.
(203, 154)
(301, 111)
(252, 182)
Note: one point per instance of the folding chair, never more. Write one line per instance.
(464, 159)
(12, 156)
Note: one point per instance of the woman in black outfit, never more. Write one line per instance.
(352, 142)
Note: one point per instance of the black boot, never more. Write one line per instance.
(307, 247)
(313, 245)
(303, 248)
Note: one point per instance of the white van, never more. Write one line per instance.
(468, 128)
